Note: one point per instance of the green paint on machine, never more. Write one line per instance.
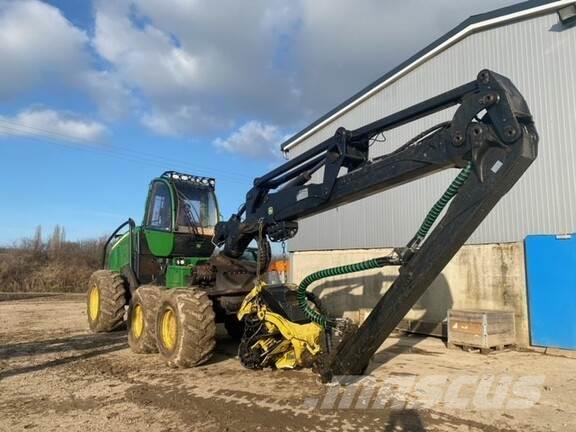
(160, 243)
(179, 272)
(120, 253)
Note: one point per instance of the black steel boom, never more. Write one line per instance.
(491, 131)
(468, 209)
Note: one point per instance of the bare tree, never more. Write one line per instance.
(37, 242)
(34, 264)
(62, 236)
(55, 243)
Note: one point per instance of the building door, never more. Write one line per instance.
(551, 278)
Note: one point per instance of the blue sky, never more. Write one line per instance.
(99, 97)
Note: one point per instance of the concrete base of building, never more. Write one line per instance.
(488, 276)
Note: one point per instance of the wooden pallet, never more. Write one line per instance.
(481, 350)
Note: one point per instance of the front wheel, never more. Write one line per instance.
(186, 327)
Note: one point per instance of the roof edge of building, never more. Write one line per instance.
(469, 26)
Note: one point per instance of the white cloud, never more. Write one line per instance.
(281, 63)
(53, 125)
(190, 68)
(184, 120)
(39, 48)
(37, 44)
(194, 54)
(253, 139)
(145, 57)
(113, 98)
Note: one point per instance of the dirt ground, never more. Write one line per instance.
(55, 375)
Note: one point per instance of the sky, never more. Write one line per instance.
(99, 97)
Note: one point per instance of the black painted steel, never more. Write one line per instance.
(468, 209)
(288, 194)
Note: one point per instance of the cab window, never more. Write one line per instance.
(159, 207)
(197, 206)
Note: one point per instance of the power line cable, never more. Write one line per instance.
(22, 130)
(110, 149)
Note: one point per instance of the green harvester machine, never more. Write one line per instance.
(183, 270)
(161, 270)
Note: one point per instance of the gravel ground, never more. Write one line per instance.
(55, 375)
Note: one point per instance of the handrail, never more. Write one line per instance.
(130, 222)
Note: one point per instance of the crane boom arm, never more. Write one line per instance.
(491, 135)
(284, 195)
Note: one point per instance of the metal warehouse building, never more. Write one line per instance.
(532, 43)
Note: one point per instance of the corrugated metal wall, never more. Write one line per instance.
(539, 55)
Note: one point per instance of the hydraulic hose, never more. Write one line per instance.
(431, 217)
(318, 317)
(437, 208)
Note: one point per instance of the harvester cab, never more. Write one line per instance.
(180, 205)
(179, 219)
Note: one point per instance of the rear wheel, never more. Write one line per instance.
(142, 319)
(106, 298)
(186, 327)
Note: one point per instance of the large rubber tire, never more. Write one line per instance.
(234, 327)
(142, 319)
(105, 301)
(186, 327)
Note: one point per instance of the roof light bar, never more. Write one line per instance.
(206, 181)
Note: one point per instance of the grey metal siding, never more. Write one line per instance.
(540, 57)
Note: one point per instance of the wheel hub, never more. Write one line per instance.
(137, 324)
(169, 329)
(94, 303)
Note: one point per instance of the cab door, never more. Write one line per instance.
(159, 219)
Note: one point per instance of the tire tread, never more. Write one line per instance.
(197, 325)
(112, 300)
(149, 297)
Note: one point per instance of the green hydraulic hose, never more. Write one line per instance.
(440, 204)
(314, 315)
(431, 217)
